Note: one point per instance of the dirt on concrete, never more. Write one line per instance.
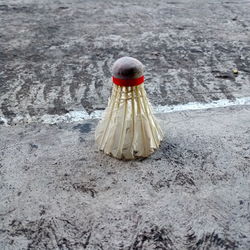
(56, 56)
(59, 192)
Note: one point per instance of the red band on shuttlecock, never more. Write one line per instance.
(128, 82)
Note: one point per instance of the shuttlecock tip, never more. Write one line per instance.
(127, 68)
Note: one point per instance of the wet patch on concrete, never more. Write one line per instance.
(84, 128)
(210, 241)
(44, 234)
(33, 147)
(85, 189)
(156, 238)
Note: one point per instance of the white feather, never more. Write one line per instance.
(128, 128)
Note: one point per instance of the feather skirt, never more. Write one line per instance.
(128, 128)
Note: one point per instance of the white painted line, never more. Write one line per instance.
(198, 106)
(77, 116)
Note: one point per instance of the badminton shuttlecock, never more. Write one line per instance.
(128, 128)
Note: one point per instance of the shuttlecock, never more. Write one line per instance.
(128, 128)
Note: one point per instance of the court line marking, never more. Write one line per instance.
(77, 116)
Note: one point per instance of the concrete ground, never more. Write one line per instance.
(55, 56)
(60, 192)
(57, 191)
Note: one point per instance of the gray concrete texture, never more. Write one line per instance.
(57, 191)
(60, 192)
(55, 56)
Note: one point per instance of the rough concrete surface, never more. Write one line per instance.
(60, 192)
(55, 56)
(57, 191)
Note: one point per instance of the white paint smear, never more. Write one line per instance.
(197, 106)
(77, 116)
